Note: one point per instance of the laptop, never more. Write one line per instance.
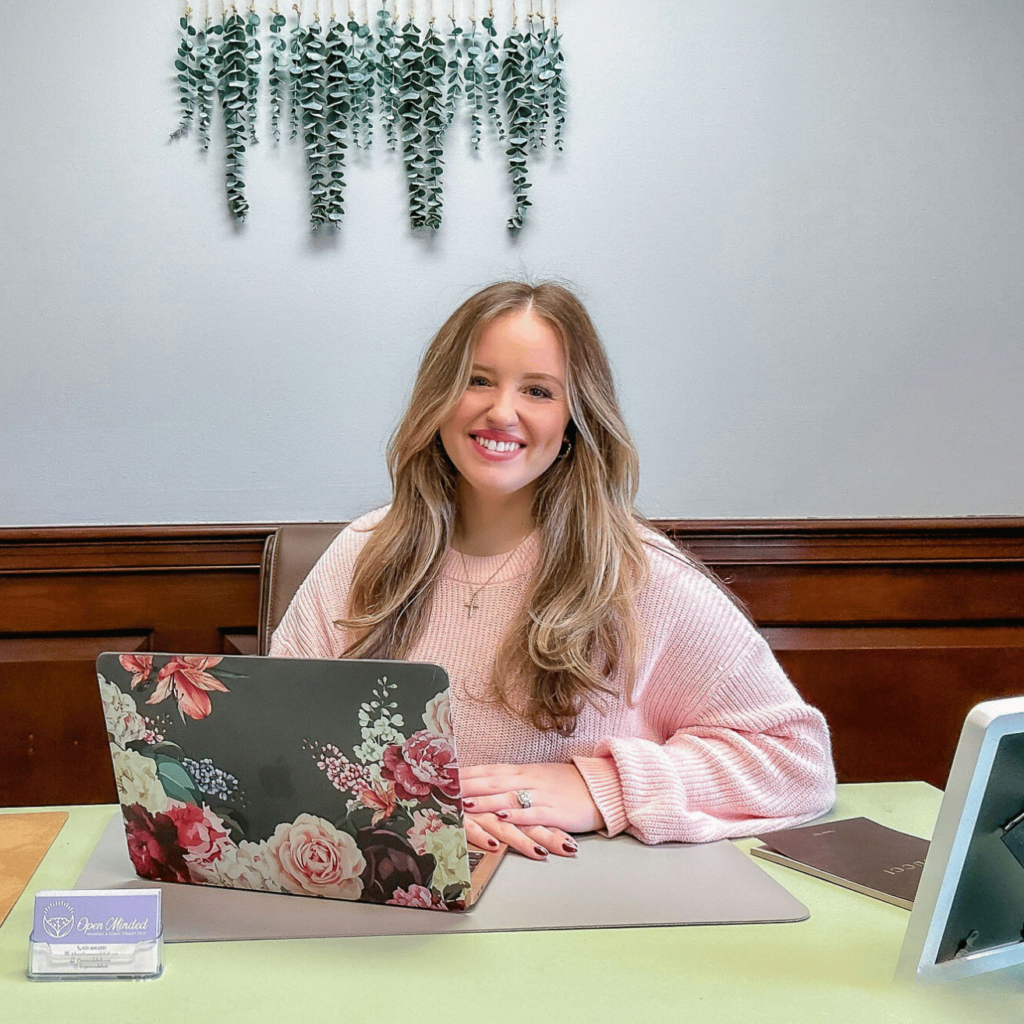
(336, 779)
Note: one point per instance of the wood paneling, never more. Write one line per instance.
(895, 713)
(66, 595)
(895, 628)
(54, 741)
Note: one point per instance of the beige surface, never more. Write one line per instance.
(24, 840)
(584, 892)
(836, 967)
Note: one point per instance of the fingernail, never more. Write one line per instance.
(501, 814)
(469, 804)
(541, 852)
(569, 847)
(492, 842)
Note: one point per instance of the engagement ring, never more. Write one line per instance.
(524, 797)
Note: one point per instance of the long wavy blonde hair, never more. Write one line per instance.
(578, 625)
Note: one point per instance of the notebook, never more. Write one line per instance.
(857, 853)
(335, 779)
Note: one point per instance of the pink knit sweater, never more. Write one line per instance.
(715, 743)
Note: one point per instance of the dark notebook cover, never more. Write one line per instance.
(856, 853)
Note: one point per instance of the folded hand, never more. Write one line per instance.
(559, 803)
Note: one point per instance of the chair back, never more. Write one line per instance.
(288, 555)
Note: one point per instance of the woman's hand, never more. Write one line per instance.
(560, 803)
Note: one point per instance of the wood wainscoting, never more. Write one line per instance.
(894, 628)
(67, 595)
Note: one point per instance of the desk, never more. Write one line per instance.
(836, 967)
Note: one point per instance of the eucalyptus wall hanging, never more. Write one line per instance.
(333, 77)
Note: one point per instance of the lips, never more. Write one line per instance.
(497, 442)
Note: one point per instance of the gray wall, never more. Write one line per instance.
(798, 225)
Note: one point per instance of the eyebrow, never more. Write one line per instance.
(526, 376)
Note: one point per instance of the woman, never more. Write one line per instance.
(599, 679)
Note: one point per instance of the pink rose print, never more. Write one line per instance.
(423, 763)
(417, 896)
(201, 834)
(188, 680)
(140, 665)
(437, 716)
(313, 858)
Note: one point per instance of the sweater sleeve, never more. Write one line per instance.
(742, 753)
(307, 629)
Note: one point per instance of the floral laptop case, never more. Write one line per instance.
(336, 779)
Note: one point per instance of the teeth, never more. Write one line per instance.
(497, 446)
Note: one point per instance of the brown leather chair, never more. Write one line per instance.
(288, 555)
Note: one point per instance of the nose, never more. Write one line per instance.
(503, 411)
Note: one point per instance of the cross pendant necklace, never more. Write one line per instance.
(471, 605)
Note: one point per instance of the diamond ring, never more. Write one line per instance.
(525, 798)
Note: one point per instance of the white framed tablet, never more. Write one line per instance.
(968, 915)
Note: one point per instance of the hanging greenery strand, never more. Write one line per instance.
(252, 69)
(361, 75)
(473, 77)
(387, 50)
(206, 76)
(409, 75)
(535, 61)
(455, 73)
(336, 119)
(552, 76)
(517, 87)
(435, 122)
(295, 49)
(308, 97)
(492, 75)
(277, 72)
(231, 85)
(185, 64)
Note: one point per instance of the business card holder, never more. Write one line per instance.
(88, 934)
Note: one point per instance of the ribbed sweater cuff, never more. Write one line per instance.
(602, 779)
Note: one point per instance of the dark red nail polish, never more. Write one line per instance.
(502, 814)
(569, 847)
(541, 852)
(492, 842)
(468, 804)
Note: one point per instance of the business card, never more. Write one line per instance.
(97, 915)
(96, 932)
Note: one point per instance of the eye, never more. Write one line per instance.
(478, 382)
(536, 391)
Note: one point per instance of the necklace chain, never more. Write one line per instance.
(471, 605)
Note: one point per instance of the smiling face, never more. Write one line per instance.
(507, 428)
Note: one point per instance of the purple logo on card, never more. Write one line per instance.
(58, 919)
(97, 916)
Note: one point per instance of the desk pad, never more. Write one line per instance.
(611, 883)
(24, 840)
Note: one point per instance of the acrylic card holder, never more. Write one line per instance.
(96, 933)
